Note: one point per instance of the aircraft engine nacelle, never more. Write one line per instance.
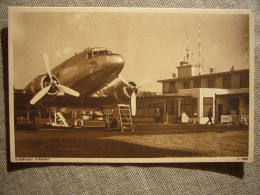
(41, 82)
(120, 92)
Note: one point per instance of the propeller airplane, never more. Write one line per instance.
(81, 79)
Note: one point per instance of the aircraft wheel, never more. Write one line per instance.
(107, 125)
(113, 123)
(79, 124)
(36, 123)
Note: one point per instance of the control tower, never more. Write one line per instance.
(186, 69)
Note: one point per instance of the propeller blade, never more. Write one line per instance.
(125, 81)
(67, 90)
(40, 94)
(47, 65)
(133, 103)
(142, 83)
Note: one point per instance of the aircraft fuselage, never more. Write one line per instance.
(86, 72)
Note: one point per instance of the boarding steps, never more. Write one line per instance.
(59, 120)
(119, 116)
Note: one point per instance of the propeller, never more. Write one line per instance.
(133, 95)
(40, 94)
(133, 103)
(124, 81)
(67, 90)
(142, 83)
(45, 90)
(47, 65)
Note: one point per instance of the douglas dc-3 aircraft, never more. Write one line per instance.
(84, 78)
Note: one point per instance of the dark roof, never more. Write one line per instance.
(163, 96)
(205, 75)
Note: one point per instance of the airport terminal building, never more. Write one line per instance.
(188, 97)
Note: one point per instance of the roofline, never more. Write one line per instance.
(94, 49)
(162, 96)
(204, 75)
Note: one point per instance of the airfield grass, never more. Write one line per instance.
(148, 141)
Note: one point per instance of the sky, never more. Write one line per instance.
(152, 44)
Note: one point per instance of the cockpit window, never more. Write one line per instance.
(103, 52)
(89, 55)
(95, 53)
(100, 52)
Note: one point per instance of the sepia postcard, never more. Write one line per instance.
(131, 85)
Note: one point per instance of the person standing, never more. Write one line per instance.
(210, 116)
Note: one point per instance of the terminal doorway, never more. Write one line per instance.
(220, 112)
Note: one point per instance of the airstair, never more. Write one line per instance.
(59, 120)
(119, 116)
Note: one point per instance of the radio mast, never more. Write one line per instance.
(247, 48)
(200, 59)
(187, 46)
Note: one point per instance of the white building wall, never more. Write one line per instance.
(200, 93)
(196, 93)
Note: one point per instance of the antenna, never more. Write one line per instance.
(187, 42)
(247, 48)
(200, 64)
(200, 57)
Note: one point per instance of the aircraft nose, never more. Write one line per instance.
(116, 61)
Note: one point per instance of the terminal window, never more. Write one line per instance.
(169, 87)
(227, 82)
(244, 80)
(186, 84)
(189, 106)
(171, 108)
(197, 83)
(141, 111)
(211, 82)
(207, 104)
(172, 87)
(166, 87)
(151, 110)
